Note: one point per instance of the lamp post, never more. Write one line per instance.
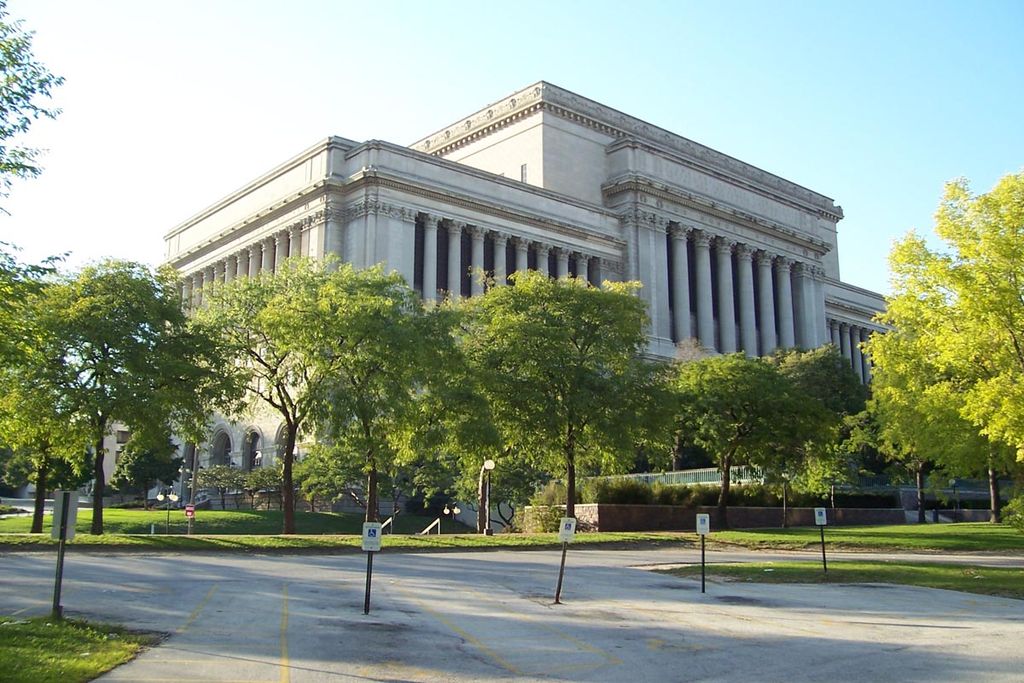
(452, 511)
(956, 496)
(483, 517)
(169, 497)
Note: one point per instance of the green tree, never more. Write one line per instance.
(957, 314)
(25, 84)
(560, 367)
(224, 478)
(743, 411)
(137, 471)
(111, 344)
(264, 479)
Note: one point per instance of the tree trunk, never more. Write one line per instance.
(481, 504)
(223, 501)
(570, 474)
(996, 506)
(832, 495)
(785, 507)
(371, 494)
(40, 500)
(723, 493)
(919, 475)
(287, 488)
(99, 483)
(677, 457)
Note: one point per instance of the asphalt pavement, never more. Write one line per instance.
(489, 616)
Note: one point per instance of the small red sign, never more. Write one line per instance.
(190, 510)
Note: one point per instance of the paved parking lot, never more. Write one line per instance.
(489, 616)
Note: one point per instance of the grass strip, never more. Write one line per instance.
(963, 537)
(42, 650)
(341, 543)
(999, 581)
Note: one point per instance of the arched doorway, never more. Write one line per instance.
(220, 453)
(250, 451)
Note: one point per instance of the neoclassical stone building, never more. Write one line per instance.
(730, 257)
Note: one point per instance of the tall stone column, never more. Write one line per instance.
(255, 257)
(766, 302)
(803, 303)
(597, 270)
(856, 356)
(865, 358)
(334, 238)
(844, 342)
(784, 303)
(243, 263)
(476, 266)
(745, 281)
(583, 267)
(543, 252)
(522, 254)
(833, 330)
(430, 258)
(209, 280)
(455, 258)
(186, 293)
(702, 269)
(230, 268)
(197, 289)
(281, 249)
(561, 263)
(680, 285)
(267, 265)
(726, 312)
(820, 321)
(218, 273)
(500, 256)
(295, 241)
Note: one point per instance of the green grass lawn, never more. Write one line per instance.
(232, 522)
(1004, 582)
(42, 651)
(964, 537)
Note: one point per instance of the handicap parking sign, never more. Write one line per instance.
(371, 537)
(567, 530)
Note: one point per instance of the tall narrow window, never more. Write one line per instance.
(522, 173)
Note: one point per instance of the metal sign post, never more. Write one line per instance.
(703, 529)
(371, 545)
(820, 519)
(566, 534)
(65, 513)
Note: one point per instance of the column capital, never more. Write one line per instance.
(724, 244)
(833, 324)
(702, 239)
(476, 232)
(520, 242)
(457, 226)
(803, 269)
(763, 258)
(661, 223)
(678, 232)
(499, 237)
(744, 252)
(783, 264)
(431, 221)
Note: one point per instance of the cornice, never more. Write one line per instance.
(643, 185)
(543, 96)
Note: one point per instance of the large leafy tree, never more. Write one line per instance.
(560, 366)
(137, 471)
(743, 411)
(110, 344)
(25, 85)
(958, 315)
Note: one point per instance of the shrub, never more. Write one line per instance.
(1013, 513)
(668, 494)
(618, 492)
(553, 493)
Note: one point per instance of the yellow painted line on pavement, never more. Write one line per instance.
(468, 637)
(285, 669)
(199, 608)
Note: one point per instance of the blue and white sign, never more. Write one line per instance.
(820, 519)
(371, 536)
(567, 530)
(703, 524)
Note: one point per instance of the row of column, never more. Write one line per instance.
(582, 266)
(775, 301)
(262, 256)
(848, 339)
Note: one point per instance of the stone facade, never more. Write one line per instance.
(730, 257)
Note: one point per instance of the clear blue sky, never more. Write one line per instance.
(169, 106)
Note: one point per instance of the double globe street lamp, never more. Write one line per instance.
(170, 498)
